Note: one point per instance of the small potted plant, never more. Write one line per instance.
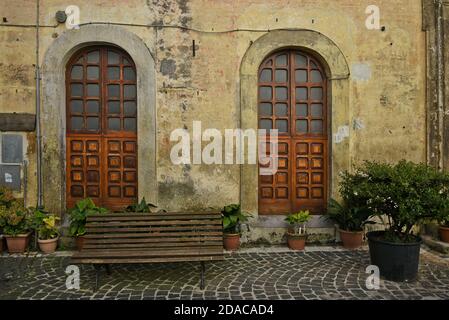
(47, 230)
(78, 218)
(297, 233)
(6, 198)
(16, 227)
(2, 244)
(351, 221)
(444, 226)
(402, 195)
(232, 222)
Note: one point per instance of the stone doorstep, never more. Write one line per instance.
(436, 245)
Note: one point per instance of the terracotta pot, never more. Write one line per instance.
(351, 240)
(48, 246)
(79, 242)
(444, 234)
(231, 242)
(296, 242)
(19, 243)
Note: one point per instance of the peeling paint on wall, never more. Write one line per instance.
(358, 124)
(342, 134)
(361, 72)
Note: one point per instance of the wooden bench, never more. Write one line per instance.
(151, 238)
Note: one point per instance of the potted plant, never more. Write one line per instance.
(78, 217)
(6, 198)
(2, 243)
(297, 234)
(46, 230)
(444, 226)
(232, 222)
(351, 221)
(15, 221)
(402, 195)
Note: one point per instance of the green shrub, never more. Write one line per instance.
(233, 218)
(78, 216)
(405, 193)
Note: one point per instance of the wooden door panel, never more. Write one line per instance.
(101, 128)
(121, 171)
(83, 168)
(275, 190)
(292, 99)
(310, 176)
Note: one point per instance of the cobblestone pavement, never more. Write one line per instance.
(248, 275)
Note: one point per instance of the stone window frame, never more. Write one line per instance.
(337, 73)
(53, 118)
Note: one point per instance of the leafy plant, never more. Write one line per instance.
(15, 219)
(443, 219)
(6, 197)
(298, 221)
(347, 217)
(48, 229)
(78, 216)
(44, 223)
(142, 207)
(405, 193)
(233, 218)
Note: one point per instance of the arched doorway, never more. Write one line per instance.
(101, 127)
(292, 97)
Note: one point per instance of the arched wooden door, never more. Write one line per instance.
(101, 137)
(292, 98)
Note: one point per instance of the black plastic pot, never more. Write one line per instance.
(396, 261)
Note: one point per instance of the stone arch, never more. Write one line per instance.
(337, 69)
(53, 107)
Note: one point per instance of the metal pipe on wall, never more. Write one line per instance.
(440, 77)
(38, 113)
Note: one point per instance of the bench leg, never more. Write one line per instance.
(108, 269)
(203, 271)
(97, 276)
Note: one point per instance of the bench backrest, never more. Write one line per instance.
(154, 230)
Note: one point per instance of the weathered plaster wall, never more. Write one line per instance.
(386, 89)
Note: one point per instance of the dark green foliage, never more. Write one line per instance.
(405, 193)
(347, 217)
(79, 214)
(14, 217)
(232, 218)
(142, 207)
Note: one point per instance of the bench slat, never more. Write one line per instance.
(108, 217)
(152, 235)
(161, 214)
(192, 251)
(150, 240)
(150, 245)
(153, 223)
(92, 230)
(147, 260)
